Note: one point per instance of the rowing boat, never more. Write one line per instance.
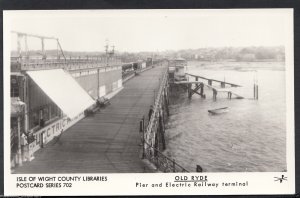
(219, 110)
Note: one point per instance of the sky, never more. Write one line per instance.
(151, 30)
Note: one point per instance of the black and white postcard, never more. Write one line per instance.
(149, 102)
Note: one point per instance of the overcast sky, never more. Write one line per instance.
(150, 30)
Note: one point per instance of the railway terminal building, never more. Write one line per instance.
(48, 96)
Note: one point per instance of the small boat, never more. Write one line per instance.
(219, 110)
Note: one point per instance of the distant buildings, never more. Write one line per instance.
(231, 53)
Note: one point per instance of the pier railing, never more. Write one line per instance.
(154, 131)
(69, 64)
(161, 161)
(153, 122)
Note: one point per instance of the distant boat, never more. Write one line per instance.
(219, 110)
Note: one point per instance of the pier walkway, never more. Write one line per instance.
(109, 141)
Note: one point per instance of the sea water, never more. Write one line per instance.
(250, 137)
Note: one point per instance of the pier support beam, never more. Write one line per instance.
(210, 82)
(229, 95)
(194, 90)
(190, 91)
(202, 90)
(222, 84)
(255, 90)
(215, 92)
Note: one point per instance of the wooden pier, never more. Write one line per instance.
(109, 141)
(154, 133)
(199, 87)
(210, 81)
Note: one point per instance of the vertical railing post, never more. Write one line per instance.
(143, 140)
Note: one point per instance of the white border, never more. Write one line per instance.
(124, 184)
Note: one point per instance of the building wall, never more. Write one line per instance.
(89, 84)
(42, 107)
(108, 80)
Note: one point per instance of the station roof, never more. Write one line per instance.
(63, 90)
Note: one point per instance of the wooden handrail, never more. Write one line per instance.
(232, 84)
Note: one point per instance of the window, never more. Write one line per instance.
(34, 119)
(46, 115)
(14, 92)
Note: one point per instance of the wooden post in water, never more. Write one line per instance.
(189, 91)
(141, 125)
(215, 94)
(201, 90)
(210, 82)
(255, 87)
(222, 84)
(256, 92)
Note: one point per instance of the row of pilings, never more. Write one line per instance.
(153, 135)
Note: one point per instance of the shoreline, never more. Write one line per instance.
(238, 66)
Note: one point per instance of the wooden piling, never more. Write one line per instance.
(190, 91)
(141, 125)
(201, 89)
(210, 82)
(256, 92)
(222, 84)
(215, 94)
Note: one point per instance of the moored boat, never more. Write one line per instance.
(219, 110)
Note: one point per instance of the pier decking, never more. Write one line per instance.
(109, 141)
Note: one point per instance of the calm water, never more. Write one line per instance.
(251, 136)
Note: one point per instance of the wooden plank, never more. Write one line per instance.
(232, 84)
